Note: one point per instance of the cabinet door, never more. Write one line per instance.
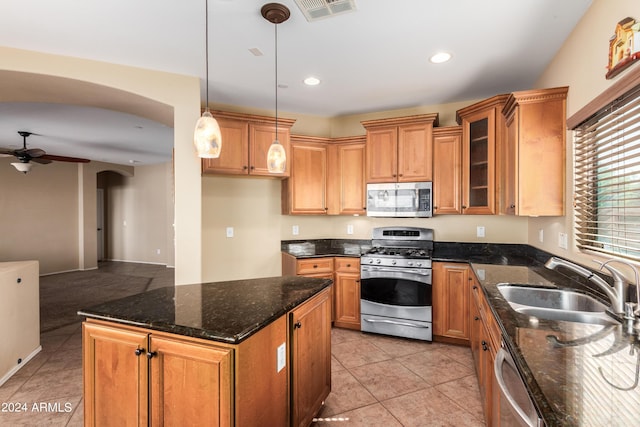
(310, 358)
(234, 156)
(447, 162)
(451, 294)
(351, 179)
(307, 184)
(382, 155)
(190, 383)
(415, 153)
(314, 266)
(115, 376)
(478, 160)
(509, 164)
(347, 293)
(261, 136)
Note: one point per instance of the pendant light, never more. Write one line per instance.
(276, 157)
(207, 137)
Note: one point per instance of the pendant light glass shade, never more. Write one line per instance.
(22, 167)
(276, 158)
(207, 137)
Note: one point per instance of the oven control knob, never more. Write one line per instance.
(378, 261)
(419, 264)
(409, 263)
(371, 261)
(393, 262)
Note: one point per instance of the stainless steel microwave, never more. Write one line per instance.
(401, 200)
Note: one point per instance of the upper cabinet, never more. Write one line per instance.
(400, 149)
(482, 133)
(327, 176)
(533, 166)
(245, 144)
(447, 170)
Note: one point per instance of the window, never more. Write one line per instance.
(607, 179)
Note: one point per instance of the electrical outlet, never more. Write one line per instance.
(157, 251)
(541, 235)
(480, 273)
(562, 240)
(480, 231)
(349, 229)
(295, 230)
(229, 231)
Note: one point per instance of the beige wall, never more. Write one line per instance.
(135, 91)
(580, 64)
(139, 222)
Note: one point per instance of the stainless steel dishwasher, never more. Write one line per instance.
(516, 407)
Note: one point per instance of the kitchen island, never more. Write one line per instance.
(243, 353)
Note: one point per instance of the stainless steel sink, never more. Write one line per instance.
(555, 304)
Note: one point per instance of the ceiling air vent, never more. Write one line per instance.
(319, 9)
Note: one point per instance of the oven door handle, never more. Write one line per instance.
(393, 322)
(395, 270)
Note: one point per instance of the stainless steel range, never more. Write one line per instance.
(395, 283)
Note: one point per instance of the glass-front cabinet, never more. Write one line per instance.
(482, 133)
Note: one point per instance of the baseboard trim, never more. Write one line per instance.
(135, 262)
(17, 367)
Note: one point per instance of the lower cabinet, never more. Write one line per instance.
(347, 293)
(485, 339)
(451, 301)
(137, 377)
(345, 273)
(310, 358)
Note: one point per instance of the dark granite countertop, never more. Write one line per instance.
(317, 248)
(224, 311)
(578, 374)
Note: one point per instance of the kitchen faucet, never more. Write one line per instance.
(616, 294)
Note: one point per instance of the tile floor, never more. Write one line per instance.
(376, 380)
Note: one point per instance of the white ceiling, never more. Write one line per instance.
(373, 59)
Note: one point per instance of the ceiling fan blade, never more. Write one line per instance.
(7, 151)
(63, 158)
(41, 160)
(35, 152)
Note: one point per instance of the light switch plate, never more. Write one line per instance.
(541, 235)
(229, 231)
(349, 229)
(562, 240)
(480, 231)
(295, 230)
(282, 357)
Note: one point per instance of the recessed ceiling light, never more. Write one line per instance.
(440, 57)
(312, 81)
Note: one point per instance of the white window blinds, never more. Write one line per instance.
(607, 179)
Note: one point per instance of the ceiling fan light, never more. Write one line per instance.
(207, 137)
(276, 158)
(22, 167)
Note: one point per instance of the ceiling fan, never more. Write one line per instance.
(26, 155)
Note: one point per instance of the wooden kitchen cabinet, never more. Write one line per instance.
(533, 165)
(447, 170)
(347, 185)
(132, 376)
(245, 144)
(327, 177)
(451, 301)
(310, 358)
(400, 149)
(485, 339)
(347, 293)
(305, 192)
(483, 131)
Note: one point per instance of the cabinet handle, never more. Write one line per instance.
(512, 206)
(476, 318)
(297, 325)
(19, 280)
(245, 167)
(151, 354)
(474, 287)
(315, 265)
(484, 345)
(464, 207)
(348, 265)
(252, 167)
(139, 351)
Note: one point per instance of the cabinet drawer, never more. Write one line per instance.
(315, 265)
(487, 317)
(347, 265)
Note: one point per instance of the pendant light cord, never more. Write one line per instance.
(276, 38)
(206, 47)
